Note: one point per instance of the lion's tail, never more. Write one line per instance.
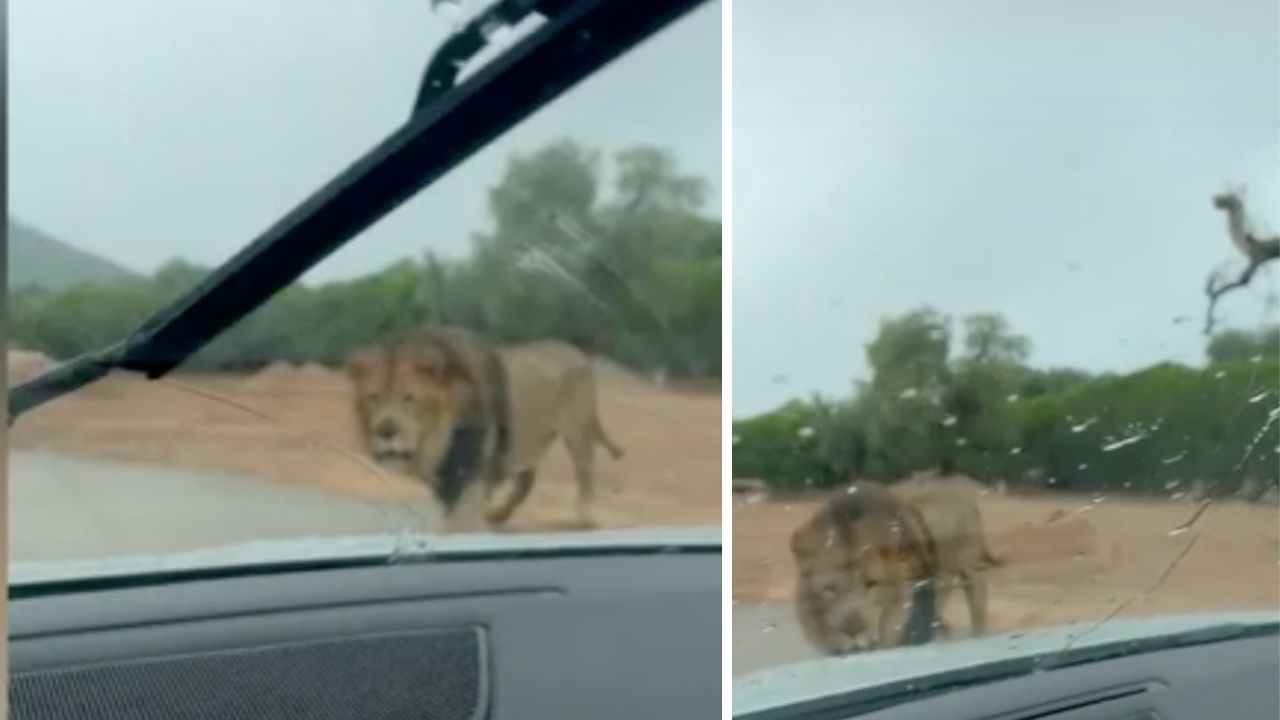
(989, 558)
(597, 429)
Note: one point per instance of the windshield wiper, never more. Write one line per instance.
(450, 122)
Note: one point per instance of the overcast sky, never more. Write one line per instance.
(1050, 160)
(145, 129)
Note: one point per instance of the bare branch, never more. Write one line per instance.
(1256, 250)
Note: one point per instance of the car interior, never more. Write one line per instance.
(1225, 673)
(630, 633)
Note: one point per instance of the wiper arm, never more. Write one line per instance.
(450, 123)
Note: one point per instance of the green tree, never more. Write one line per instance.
(1243, 345)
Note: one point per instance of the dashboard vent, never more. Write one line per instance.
(435, 675)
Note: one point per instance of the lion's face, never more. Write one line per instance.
(852, 585)
(406, 401)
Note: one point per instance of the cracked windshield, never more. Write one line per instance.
(1006, 332)
(559, 290)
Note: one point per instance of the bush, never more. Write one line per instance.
(1152, 432)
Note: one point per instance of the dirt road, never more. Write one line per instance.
(293, 427)
(1066, 559)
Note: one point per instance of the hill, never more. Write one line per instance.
(39, 259)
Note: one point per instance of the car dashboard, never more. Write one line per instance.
(632, 633)
(1166, 668)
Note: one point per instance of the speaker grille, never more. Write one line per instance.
(406, 676)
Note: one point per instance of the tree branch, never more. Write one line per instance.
(1258, 251)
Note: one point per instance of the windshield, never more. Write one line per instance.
(580, 252)
(1006, 318)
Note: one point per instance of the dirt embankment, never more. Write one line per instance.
(294, 425)
(1068, 558)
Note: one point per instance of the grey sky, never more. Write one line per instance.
(1053, 161)
(147, 129)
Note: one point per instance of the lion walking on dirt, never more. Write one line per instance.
(875, 565)
(443, 405)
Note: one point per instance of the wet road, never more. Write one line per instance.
(766, 635)
(65, 507)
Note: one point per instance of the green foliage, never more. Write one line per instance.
(1157, 429)
(635, 275)
(1153, 431)
(786, 447)
(1242, 345)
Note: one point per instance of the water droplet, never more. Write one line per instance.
(1013, 397)
(1081, 427)
(1259, 397)
(1178, 530)
(950, 420)
(908, 393)
(1016, 451)
(1109, 447)
(852, 489)
(1052, 481)
(1082, 466)
(961, 442)
(1220, 374)
(1173, 459)
(805, 432)
(1098, 498)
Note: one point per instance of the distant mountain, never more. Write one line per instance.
(37, 258)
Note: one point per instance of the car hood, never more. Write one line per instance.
(814, 680)
(370, 549)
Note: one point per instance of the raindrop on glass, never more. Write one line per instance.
(1081, 427)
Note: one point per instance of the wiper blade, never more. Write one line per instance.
(449, 123)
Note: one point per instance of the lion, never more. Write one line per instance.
(875, 565)
(443, 405)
